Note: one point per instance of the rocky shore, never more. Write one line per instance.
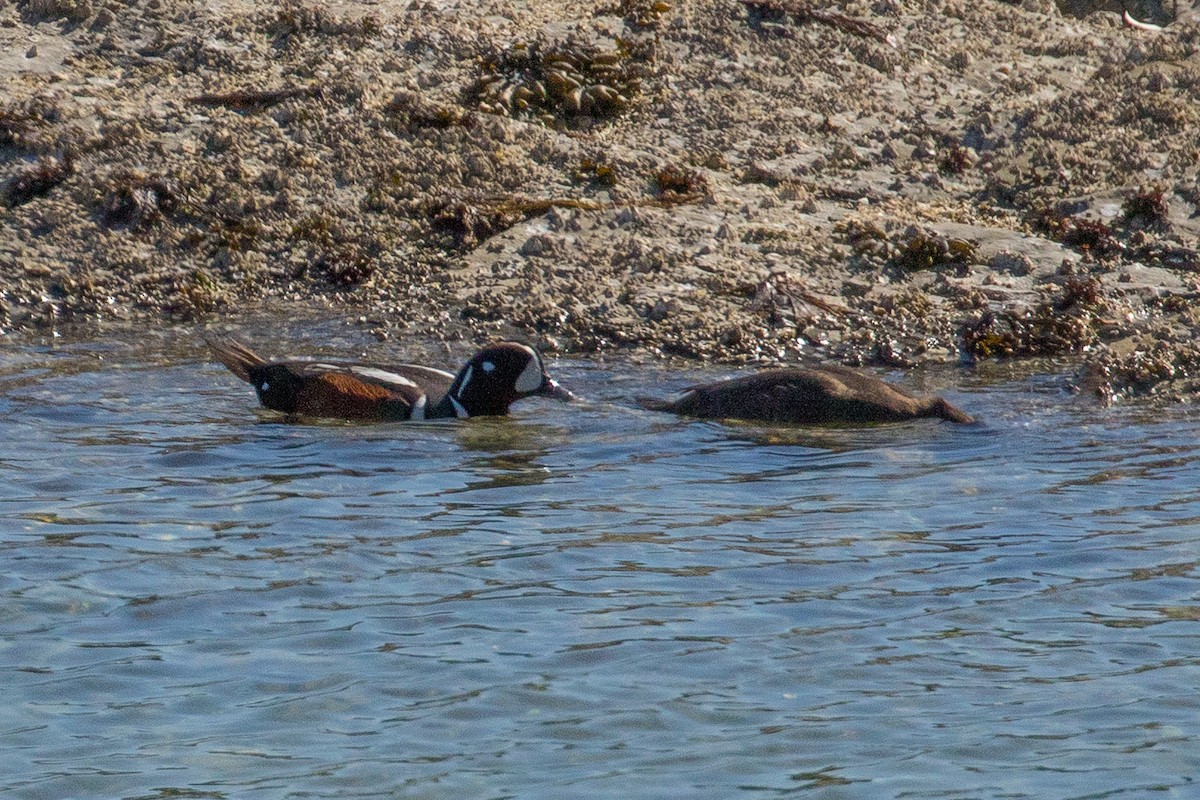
(751, 181)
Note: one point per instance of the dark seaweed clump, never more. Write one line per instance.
(36, 181)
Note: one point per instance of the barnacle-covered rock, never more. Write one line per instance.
(1065, 322)
(134, 199)
(922, 250)
(565, 84)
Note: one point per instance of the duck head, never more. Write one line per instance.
(498, 376)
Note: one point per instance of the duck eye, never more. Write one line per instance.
(488, 367)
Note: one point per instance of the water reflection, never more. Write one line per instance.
(200, 600)
(506, 453)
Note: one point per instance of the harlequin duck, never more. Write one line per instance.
(827, 394)
(487, 385)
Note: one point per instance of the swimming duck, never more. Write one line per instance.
(826, 394)
(491, 380)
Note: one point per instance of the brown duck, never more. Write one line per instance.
(826, 394)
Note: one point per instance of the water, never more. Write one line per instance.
(598, 602)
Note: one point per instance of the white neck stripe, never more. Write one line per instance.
(418, 408)
(459, 410)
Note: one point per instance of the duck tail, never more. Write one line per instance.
(653, 403)
(940, 408)
(235, 355)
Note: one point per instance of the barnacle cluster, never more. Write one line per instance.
(468, 223)
(558, 84)
(1162, 362)
(912, 250)
(76, 11)
(1137, 373)
(349, 264)
(23, 124)
(924, 250)
(867, 237)
(596, 172)
(639, 13)
(134, 199)
(1065, 323)
(294, 20)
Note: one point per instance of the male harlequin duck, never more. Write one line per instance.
(494, 378)
(827, 394)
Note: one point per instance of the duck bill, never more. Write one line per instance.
(550, 388)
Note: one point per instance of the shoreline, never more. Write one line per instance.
(747, 183)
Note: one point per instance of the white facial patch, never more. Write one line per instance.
(462, 387)
(488, 367)
(530, 379)
(383, 376)
(264, 386)
(418, 409)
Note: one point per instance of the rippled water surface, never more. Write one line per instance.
(197, 600)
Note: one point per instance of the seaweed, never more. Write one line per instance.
(955, 159)
(413, 111)
(675, 185)
(1092, 236)
(1147, 208)
(469, 221)
(253, 99)
(37, 181)
(596, 173)
(777, 12)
